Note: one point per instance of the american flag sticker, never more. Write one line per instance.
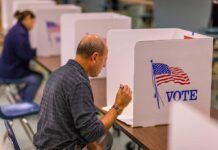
(53, 29)
(163, 73)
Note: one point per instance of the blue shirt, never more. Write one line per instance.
(68, 115)
(17, 52)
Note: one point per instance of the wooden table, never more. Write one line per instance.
(152, 138)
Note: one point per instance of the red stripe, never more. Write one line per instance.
(162, 76)
(164, 79)
(183, 83)
(183, 79)
(54, 29)
(180, 76)
(177, 76)
(162, 83)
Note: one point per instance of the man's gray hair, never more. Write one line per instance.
(88, 46)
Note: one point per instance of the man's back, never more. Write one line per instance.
(68, 115)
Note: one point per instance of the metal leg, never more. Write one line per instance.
(28, 125)
(26, 130)
(2, 89)
(9, 95)
(6, 133)
(6, 90)
(5, 137)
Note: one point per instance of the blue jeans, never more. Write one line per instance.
(32, 83)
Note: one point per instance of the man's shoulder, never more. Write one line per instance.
(69, 75)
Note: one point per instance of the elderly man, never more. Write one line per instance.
(68, 118)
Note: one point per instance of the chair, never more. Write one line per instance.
(11, 135)
(19, 111)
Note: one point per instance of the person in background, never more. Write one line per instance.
(16, 56)
(68, 117)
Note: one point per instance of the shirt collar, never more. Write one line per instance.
(75, 64)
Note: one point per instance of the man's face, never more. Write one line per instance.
(98, 62)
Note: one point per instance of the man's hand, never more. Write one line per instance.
(124, 96)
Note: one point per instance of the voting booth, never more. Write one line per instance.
(33, 6)
(48, 28)
(7, 13)
(75, 26)
(191, 130)
(161, 66)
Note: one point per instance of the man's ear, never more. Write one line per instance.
(94, 56)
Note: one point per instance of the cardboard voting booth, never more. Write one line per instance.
(33, 6)
(161, 66)
(191, 130)
(6, 7)
(48, 28)
(7, 13)
(75, 26)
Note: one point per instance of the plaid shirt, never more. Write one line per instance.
(68, 115)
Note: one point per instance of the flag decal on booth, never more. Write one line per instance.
(53, 29)
(162, 74)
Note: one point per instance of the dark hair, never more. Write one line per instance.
(21, 15)
(87, 48)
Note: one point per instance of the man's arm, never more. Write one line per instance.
(124, 96)
(84, 113)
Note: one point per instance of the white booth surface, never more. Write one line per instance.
(32, 6)
(48, 28)
(75, 26)
(191, 130)
(161, 66)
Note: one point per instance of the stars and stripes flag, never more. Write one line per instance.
(164, 74)
(53, 30)
(52, 27)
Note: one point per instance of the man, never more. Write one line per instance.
(68, 117)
